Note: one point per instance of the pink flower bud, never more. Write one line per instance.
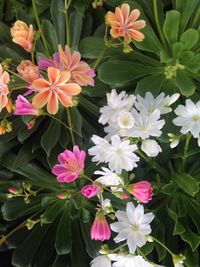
(100, 229)
(61, 196)
(142, 191)
(23, 107)
(12, 190)
(89, 191)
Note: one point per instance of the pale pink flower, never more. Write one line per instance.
(71, 165)
(58, 88)
(81, 72)
(22, 35)
(4, 80)
(100, 229)
(142, 191)
(23, 107)
(28, 71)
(89, 191)
(125, 24)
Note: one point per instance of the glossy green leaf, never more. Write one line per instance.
(189, 38)
(191, 238)
(24, 156)
(178, 227)
(77, 120)
(192, 258)
(187, 183)
(76, 24)
(5, 36)
(100, 89)
(184, 83)
(6, 52)
(82, 6)
(50, 36)
(193, 64)
(171, 26)
(51, 213)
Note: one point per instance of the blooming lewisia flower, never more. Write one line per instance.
(71, 165)
(142, 191)
(23, 107)
(119, 154)
(133, 226)
(58, 88)
(150, 147)
(100, 229)
(89, 191)
(4, 80)
(28, 71)
(124, 23)
(22, 35)
(131, 261)
(189, 118)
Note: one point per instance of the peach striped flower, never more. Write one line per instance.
(4, 80)
(22, 35)
(123, 23)
(58, 88)
(28, 71)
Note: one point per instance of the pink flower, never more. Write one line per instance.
(142, 191)
(22, 35)
(4, 80)
(23, 107)
(58, 88)
(31, 124)
(124, 24)
(71, 165)
(28, 71)
(12, 190)
(90, 190)
(100, 229)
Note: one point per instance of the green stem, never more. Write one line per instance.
(67, 22)
(87, 178)
(187, 142)
(120, 247)
(39, 26)
(70, 127)
(142, 254)
(162, 245)
(100, 57)
(56, 119)
(15, 74)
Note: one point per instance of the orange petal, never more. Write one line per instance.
(63, 57)
(5, 77)
(64, 77)
(137, 25)
(3, 101)
(110, 18)
(41, 84)
(52, 106)
(136, 35)
(53, 74)
(119, 16)
(125, 9)
(22, 42)
(41, 99)
(1, 70)
(65, 100)
(135, 13)
(114, 33)
(71, 88)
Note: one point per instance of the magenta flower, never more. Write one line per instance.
(100, 229)
(89, 191)
(142, 191)
(71, 165)
(23, 107)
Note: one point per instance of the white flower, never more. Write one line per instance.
(174, 140)
(161, 102)
(178, 265)
(119, 154)
(109, 178)
(133, 226)
(131, 261)
(150, 147)
(146, 124)
(101, 261)
(125, 120)
(115, 104)
(188, 118)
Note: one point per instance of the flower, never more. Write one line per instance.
(4, 80)
(71, 165)
(124, 24)
(100, 229)
(125, 120)
(28, 71)
(109, 178)
(101, 261)
(89, 191)
(178, 260)
(161, 102)
(133, 226)
(142, 191)
(188, 118)
(150, 147)
(131, 261)
(55, 89)
(23, 107)
(115, 104)
(22, 35)
(80, 71)
(119, 154)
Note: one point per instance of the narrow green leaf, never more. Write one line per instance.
(191, 238)
(50, 35)
(51, 213)
(171, 26)
(187, 183)
(76, 23)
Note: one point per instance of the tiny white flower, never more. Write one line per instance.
(150, 147)
(161, 102)
(109, 178)
(101, 261)
(133, 226)
(188, 118)
(131, 261)
(99, 150)
(125, 120)
(115, 104)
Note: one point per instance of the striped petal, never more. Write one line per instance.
(64, 77)
(71, 88)
(41, 99)
(53, 74)
(65, 100)
(41, 84)
(52, 106)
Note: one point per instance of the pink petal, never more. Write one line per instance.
(41, 99)
(52, 106)
(140, 24)
(135, 13)
(64, 77)
(125, 9)
(53, 74)
(65, 100)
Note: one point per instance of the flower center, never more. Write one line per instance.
(53, 87)
(118, 151)
(72, 165)
(196, 118)
(135, 228)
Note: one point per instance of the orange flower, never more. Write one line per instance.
(54, 90)
(22, 35)
(124, 24)
(4, 80)
(28, 71)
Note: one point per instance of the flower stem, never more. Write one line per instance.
(56, 119)
(16, 75)
(120, 247)
(96, 64)
(39, 26)
(70, 127)
(5, 237)
(162, 245)
(87, 178)
(187, 142)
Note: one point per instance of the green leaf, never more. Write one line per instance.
(63, 241)
(187, 183)
(193, 64)
(82, 6)
(6, 52)
(24, 156)
(51, 213)
(50, 36)
(171, 26)
(76, 120)
(5, 36)
(189, 38)
(192, 258)
(100, 89)
(191, 238)
(184, 83)
(178, 227)
(76, 23)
